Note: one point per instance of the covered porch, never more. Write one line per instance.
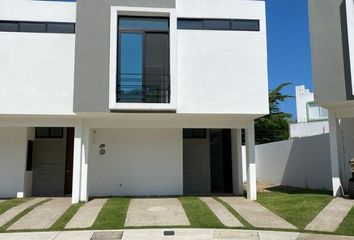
(126, 157)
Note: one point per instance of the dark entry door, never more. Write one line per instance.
(220, 160)
(69, 160)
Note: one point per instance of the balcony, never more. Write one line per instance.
(143, 88)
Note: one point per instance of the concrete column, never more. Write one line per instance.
(84, 163)
(237, 176)
(251, 162)
(333, 126)
(77, 163)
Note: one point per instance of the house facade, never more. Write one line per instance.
(130, 98)
(332, 45)
(311, 119)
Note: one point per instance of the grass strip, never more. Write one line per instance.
(113, 214)
(236, 214)
(22, 214)
(199, 214)
(347, 226)
(66, 217)
(8, 204)
(298, 207)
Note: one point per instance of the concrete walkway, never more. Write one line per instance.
(156, 212)
(329, 219)
(221, 212)
(179, 234)
(257, 215)
(43, 216)
(87, 214)
(13, 212)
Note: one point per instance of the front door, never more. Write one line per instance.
(69, 160)
(220, 160)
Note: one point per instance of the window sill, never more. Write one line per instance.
(168, 107)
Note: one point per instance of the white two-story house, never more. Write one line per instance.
(130, 98)
(332, 45)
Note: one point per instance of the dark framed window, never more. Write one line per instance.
(60, 28)
(32, 27)
(49, 132)
(143, 68)
(190, 24)
(37, 27)
(246, 25)
(194, 133)
(218, 24)
(9, 26)
(144, 23)
(29, 155)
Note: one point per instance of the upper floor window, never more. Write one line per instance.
(316, 113)
(49, 132)
(218, 24)
(143, 69)
(37, 27)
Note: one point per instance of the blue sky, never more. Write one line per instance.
(289, 55)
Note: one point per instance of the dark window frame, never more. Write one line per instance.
(143, 32)
(29, 160)
(193, 133)
(50, 135)
(18, 29)
(229, 28)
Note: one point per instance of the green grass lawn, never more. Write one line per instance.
(347, 226)
(198, 213)
(236, 214)
(4, 206)
(21, 214)
(113, 214)
(297, 206)
(66, 217)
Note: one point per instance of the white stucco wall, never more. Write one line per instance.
(303, 162)
(136, 162)
(307, 129)
(37, 69)
(37, 10)
(222, 71)
(303, 96)
(37, 73)
(13, 154)
(350, 25)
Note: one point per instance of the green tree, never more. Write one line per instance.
(275, 126)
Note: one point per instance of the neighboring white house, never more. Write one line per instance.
(311, 119)
(139, 97)
(332, 44)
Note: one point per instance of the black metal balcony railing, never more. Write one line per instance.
(143, 88)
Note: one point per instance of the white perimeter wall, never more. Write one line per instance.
(305, 162)
(222, 71)
(13, 154)
(307, 129)
(302, 162)
(136, 162)
(36, 69)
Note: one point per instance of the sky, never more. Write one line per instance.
(289, 54)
